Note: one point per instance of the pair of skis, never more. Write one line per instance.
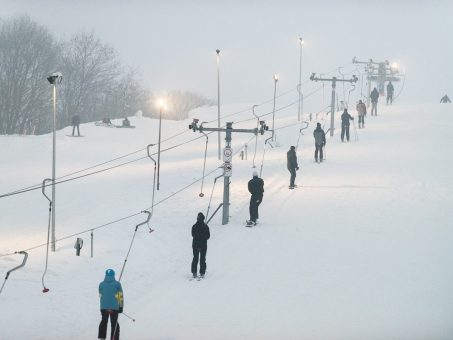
(197, 278)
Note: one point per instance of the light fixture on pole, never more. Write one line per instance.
(275, 77)
(218, 96)
(54, 79)
(161, 105)
(301, 97)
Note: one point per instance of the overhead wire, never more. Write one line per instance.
(128, 216)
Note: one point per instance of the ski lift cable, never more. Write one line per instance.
(99, 171)
(35, 186)
(283, 107)
(280, 95)
(125, 217)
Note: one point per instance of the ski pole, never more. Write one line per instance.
(127, 316)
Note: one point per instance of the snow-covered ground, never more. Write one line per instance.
(361, 250)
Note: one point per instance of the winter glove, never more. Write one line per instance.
(297, 168)
(121, 309)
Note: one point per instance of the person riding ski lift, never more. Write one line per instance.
(111, 303)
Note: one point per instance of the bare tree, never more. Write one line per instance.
(127, 96)
(27, 56)
(90, 70)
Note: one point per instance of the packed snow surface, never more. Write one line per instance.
(362, 249)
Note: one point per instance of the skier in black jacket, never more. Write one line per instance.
(256, 188)
(345, 118)
(75, 123)
(445, 99)
(291, 163)
(374, 95)
(201, 235)
(320, 142)
(390, 90)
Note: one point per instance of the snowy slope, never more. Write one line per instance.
(361, 250)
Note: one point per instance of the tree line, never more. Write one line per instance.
(95, 83)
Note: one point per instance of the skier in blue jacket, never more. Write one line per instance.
(112, 302)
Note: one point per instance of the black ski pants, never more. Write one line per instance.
(361, 121)
(115, 326)
(253, 208)
(292, 171)
(345, 130)
(319, 149)
(199, 253)
(374, 108)
(389, 98)
(73, 129)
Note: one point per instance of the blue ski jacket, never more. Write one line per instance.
(111, 294)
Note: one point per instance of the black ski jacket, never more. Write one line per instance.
(320, 136)
(345, 118)
(200, 234)
(291, 160)
(256, 187)
(76, 120)
(374, 95)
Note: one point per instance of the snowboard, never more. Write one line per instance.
(125, 127)
(75, 136)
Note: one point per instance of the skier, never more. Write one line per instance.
(390, 90)
(361, 110)
(445, 99)
(75, 123)
(320, 142)
(345, 118)
(374, 95)
(112, 303)
(126, 122)
(256, 188)
(106, 121)
(200, 234)
(292, 166)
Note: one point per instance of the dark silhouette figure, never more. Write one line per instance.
(256, 188)
(320, 142)
(361, 111)
(345, 118)
(76, 123)
(445, 100)
(374, 95)
(112, 303)
(291, 163)
(201, 235)
(390, 90)
(126, 122)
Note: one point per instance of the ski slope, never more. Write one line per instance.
(360, 250)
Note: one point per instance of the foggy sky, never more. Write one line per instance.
(173, 43)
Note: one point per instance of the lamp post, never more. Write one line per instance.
(161, 108)
(275, 77)
(218, 96)
(300, 107)
(54, 79)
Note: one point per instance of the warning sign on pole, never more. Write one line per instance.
(227, 169)
(227, 154)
